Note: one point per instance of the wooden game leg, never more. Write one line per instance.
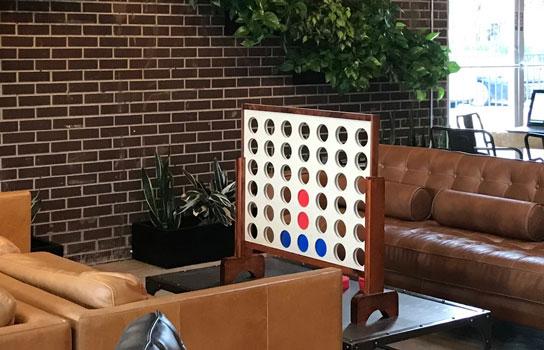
(363, 305)
(231, 267)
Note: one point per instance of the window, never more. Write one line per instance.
(501, 55)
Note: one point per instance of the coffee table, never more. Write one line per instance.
(418, 314)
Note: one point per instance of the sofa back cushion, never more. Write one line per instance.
(7, 308)
(438, 169)
(81, 285)
(500, 216)
(7, 247)
(407, 202)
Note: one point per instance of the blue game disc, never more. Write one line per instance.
(321, 247)
(285, 238)
(302, 243)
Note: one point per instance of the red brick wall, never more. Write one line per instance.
(91, 89)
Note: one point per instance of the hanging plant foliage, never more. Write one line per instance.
(351, 41)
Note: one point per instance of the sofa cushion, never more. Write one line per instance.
(407, 202)
(500, 216)
(7, 308)
(466, 259)
(73, 281)
(7, 247)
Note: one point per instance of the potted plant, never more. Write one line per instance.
(184, 230)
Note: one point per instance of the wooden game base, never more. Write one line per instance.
(231, 267)
(363, 305)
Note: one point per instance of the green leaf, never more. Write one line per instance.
(453, 67)
(431, 36)
(241, 31)
(421, 95)
(441, 92)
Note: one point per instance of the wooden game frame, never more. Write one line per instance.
(372, 296)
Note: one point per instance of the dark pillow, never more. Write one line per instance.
(407, 202)
(150, 332)
(499, 216)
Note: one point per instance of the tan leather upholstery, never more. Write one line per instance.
(502, 274)
(499, 216)
(73, 281)
(15, 218)
(7, 247)
(35, 330)
(296, 312)
(7, 308)
(407, 202)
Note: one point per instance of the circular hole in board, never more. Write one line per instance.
(269, 213)
(361, 161)
(252, 188)
(321, 224)
(359, 256)
(269, 191)
(286, 172)
(340, 252)
(304, 153)
(253, 167)
(286, 150)
(340, 204)
(341, 181)
(269, 148)
(285, 216)
(253, 146)
(269, 170)
(360, 185)
(252, 209)
(303, 175)
(322, 132)
(342, 135)
(269, 126)
(304, 131)
(269, 234)
(359, 232)
(252, 230)
(321, 201)
(340, 228)
(322, 178)
(286, 128)
(341, 158)
(360, 208)
(253, 125)
(322, 155)
(286, 194)
(362, 137)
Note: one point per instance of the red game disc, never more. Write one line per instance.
(303, 198)
(303, 221)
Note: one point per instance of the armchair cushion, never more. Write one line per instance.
(7, 308)
(81, 285)
(407, 202)
(7, 246)
(500, 216)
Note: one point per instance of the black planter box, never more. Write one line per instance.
(188, 246)
(41, 245)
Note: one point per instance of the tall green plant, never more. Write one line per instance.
(160, 199)
(351, 41)
(213, 203)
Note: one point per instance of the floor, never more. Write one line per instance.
(506, 336)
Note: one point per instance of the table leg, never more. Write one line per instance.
(483, 325)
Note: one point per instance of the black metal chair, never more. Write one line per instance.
(473, 121)
(464, 140)
(527, 138)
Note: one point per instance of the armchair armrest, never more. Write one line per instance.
(15, 218)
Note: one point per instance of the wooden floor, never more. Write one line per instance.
(505, 336)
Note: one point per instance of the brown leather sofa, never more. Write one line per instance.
(497, 270)
(298, 311)
(35, 330)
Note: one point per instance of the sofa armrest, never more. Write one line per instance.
(35, 330)
(15, 218)
(298, 311)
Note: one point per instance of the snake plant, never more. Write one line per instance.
(161, 200)
(213, 203)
